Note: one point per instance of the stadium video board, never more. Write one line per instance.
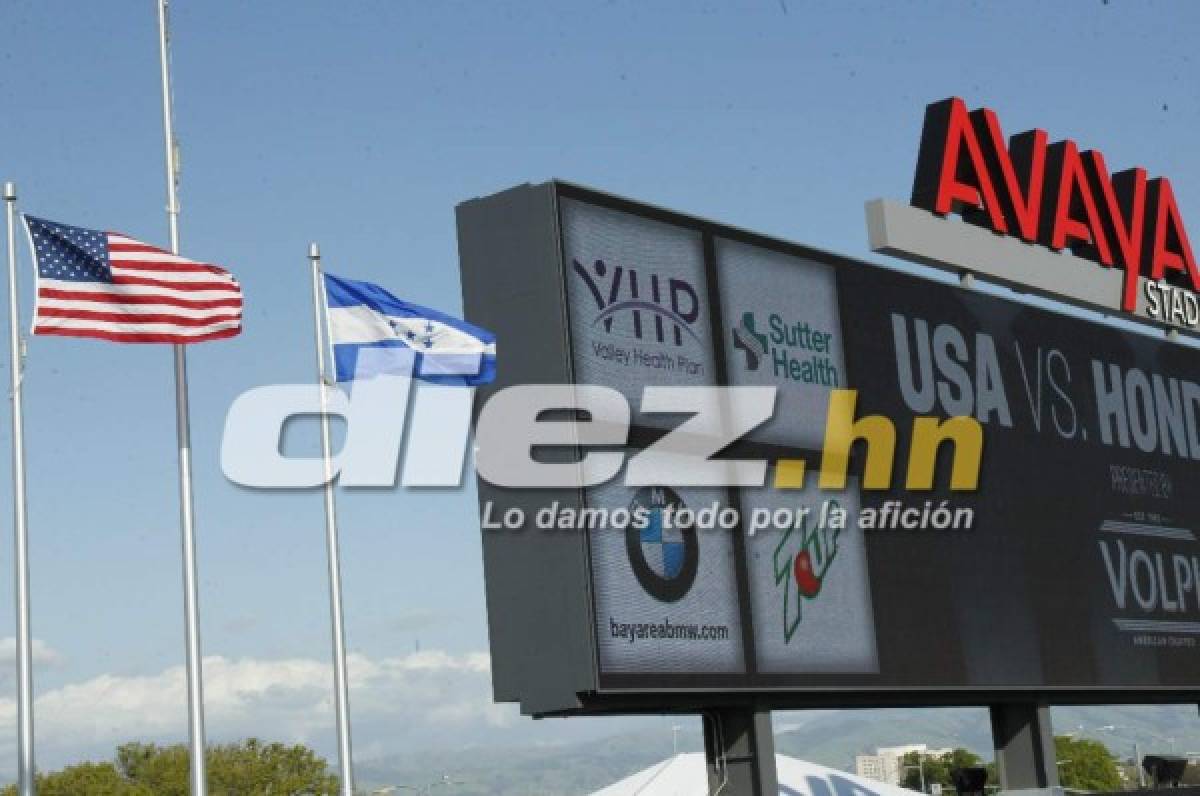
(1074, 575)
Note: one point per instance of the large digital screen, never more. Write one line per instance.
(1075, 568)
(663, 591)
(1081, 568)
(809, 588)
(784, 331)
(638, 301)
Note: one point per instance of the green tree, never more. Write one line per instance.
(249, 768)
(254, 767)
(1084, 764)
(936, 768)
(93, 779)
(164, 770)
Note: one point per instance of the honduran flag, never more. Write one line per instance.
(443, 349)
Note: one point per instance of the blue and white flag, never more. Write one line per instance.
(442, 349)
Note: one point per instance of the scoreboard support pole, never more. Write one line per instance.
(1024, 742)
(739, 750)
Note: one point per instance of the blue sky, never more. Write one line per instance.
(361, 125)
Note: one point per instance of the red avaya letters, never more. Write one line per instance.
(1051, 195)
(1171, 251)
(1028, 150)
(1070, 193)
(956, 184)
(1125, 207)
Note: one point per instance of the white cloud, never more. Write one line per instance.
(425, 698)
(43, 655)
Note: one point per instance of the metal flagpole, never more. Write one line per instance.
(195, 675)
(26, 785)
(341, 689)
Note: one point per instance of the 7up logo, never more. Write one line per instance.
(802, 560)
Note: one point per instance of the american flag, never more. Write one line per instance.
(110, 286)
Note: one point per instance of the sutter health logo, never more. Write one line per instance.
(794, 350)
(663, 554)
(802, 560)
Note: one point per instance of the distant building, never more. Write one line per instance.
(887, 764)
(870, 767)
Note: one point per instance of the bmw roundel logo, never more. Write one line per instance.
(664, 560)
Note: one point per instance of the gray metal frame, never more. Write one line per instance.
(542, 629)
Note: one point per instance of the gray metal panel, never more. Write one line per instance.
(920, 236)
(739, 751)
(537, 582)
(1024, 740)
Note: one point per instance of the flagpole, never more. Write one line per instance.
(25, 766)
(195, 675)
(340, 687)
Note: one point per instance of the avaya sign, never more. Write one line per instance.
(1053, 197)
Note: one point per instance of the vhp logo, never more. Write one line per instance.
(644, 299)
(747, 340)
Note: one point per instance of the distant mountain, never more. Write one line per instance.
(833, 740)
(577, 768)
(830, 738)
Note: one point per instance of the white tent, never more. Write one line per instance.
(685, 775)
